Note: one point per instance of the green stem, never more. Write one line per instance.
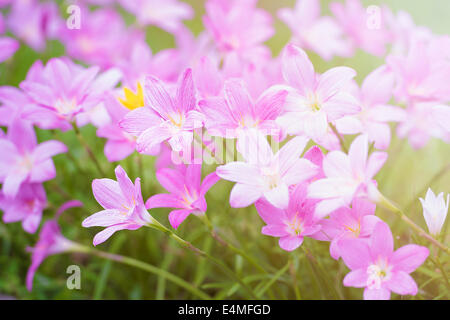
(144, 266)
(88, 149)
(388, 204)
(341, 140)
(187, 245)
(204, 146)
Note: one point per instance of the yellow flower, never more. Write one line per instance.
(133, 100)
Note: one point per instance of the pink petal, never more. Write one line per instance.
(104, 218)
(278, 196)
(298, 71)
(125, 184)
(382, 243)
(268, 212)
(408, 258)
(186, 92)
(164, 201)
(337, 165)
(270, 104)
(238, 99)
(108, 193)
(244, 195)
(340, 105)
(151, 137)
(240, 172)
(357, 154)
(48, 149)
(157, 98)
(402, 283)
(139, 120)
(378, 86)
(176, 217)
(355, 253)
(377, 294)
(356, 278)
(290, 243)
(12, 183)
(274, 230)
(376, 161)
(172, 180)
(208, 182)
(334, 80)
(104, 235)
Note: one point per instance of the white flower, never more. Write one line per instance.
(434, 210)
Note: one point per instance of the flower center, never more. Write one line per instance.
(295, 225)
(271, 176)
(65, 107)
(356, 230)
(378, 273)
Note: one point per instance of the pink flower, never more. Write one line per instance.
(424, 120)
(314, 100)
(123, 204)
(187, 192)
(347, 176)
(265, 174)
(366, 31)
(208, 78)
(63, 89)
(8, 46)
(34, 22)
(237, 25)
(315, 155)
(25, 161)
(166, 14)
(380, 269)
(292, 224)
(165, 117)
(375, 93)
(27, 206)
(236, 111)
(96, 44)
(311, 31)
(422, 75)
(50, 242)
(356, 222)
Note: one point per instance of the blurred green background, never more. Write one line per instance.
(406, 174)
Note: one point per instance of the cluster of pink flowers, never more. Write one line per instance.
(225, 83)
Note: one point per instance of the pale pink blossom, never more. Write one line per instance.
(292, 224)
(123, 206)
(23, 160)
(264, 174)
(378, 268)
(226, 116)
(27, 206)
(356, 222)
(312, 31)
(187, 192)
(50, 242)
(165, 117)
(365, 29)
(348, 176)
(315, 100)
(63, 89)
(376, 113)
